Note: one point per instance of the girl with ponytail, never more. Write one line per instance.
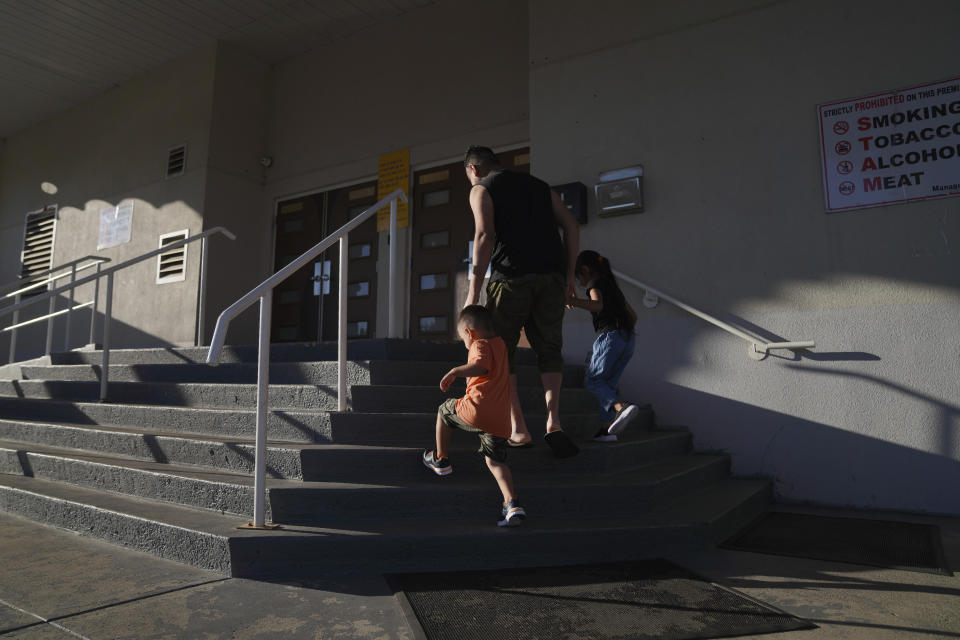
(613, 320)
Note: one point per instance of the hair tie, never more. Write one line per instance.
(600, 259)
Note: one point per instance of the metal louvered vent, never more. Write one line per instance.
(172, 265)
(37, 255)
(176, 161)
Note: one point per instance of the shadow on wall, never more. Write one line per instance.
(31, 340)
(813, 462)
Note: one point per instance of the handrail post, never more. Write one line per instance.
(105, 362)
(263, 400)
(202, 303)
(391, 296)
(66, 331)
(51, 307)
(342, 329)
(93, 309)
(13, 333)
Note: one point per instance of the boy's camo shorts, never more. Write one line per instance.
(490, 445)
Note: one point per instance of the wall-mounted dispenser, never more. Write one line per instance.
(620, 191)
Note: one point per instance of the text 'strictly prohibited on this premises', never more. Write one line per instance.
(891, 147)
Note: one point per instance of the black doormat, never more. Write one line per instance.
(629, 600)
(878, 543)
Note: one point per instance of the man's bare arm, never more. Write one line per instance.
(571, 240)
(483, 238)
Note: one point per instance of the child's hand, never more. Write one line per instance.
(447, 380)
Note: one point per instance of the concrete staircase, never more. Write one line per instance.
(165, 466)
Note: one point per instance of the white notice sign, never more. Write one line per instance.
(891, 147)
(115, 223)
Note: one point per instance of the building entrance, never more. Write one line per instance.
(305, 305)
(442, 237)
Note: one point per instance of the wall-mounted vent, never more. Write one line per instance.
(176, 161)
(172, 265)
(38, 232)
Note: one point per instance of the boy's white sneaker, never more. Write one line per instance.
(627, 413)
(513, 514)
(440, 466)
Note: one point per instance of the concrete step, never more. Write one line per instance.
(365, 349)
(282, 396)
(285, 426)
(415, 429)
(243, 396)
(211, 541)
(400, 398)
(192, 536)
(282, 425)
(322, 503)
(326, 504)
(218, 491)
(473, 542)
(330, 461)
(235, 455)
(174, 394)
(386, 464)
(358, 372)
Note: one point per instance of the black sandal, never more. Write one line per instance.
(561, 444)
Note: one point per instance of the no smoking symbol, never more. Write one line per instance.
(847, 187)
(843, 147)
(841, 127)
(844, 167)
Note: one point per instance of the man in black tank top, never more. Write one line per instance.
(518, 220)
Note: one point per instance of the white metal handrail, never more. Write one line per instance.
(108, 310)
(37, 284)
(757, 349)
(95, 261)
(264, 293)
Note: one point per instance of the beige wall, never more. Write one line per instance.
(718, 102)
(234, 190)
(108, 150)
(414, 82)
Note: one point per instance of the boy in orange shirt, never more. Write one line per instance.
(484, 409)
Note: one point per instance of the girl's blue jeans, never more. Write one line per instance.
(611, 353)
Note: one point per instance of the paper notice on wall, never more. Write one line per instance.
(393, 172)
(115, 225)
(892, 147)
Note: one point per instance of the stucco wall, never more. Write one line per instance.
(418, 81)
(434, 80)
(109, 150)
(234, 191)
(718, 102)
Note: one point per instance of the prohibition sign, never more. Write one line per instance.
(847, 188)
(840, 127)
(842, 147)
(844, 167)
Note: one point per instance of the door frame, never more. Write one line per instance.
(417, 168)
(303, 194)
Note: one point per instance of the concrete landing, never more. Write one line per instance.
(57, 585)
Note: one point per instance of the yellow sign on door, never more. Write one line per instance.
(393, 172)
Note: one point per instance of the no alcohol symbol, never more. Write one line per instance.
(842, 147)
(844, 167)
(840, 127)
(847, 188)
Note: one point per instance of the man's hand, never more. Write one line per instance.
(571, 289)
(447, 380)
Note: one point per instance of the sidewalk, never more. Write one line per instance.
(57, 585)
